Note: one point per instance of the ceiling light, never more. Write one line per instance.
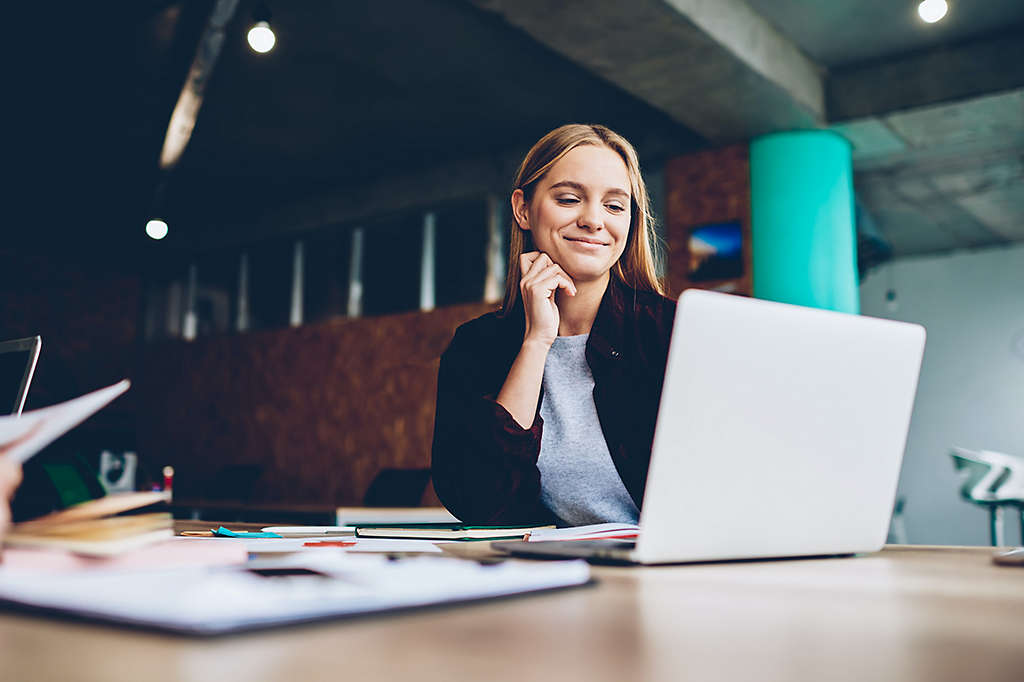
(261, 38)
(932, 10)
(156, 228)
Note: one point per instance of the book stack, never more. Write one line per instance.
(108, 526)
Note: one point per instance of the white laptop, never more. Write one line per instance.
(780, 433)
(17, 365)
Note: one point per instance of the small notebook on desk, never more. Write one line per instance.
(447, 532)
(393, 516)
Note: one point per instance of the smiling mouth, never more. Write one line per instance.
(582, 240)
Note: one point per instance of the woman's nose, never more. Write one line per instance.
(590, 218)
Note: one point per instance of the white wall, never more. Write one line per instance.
(971, 391)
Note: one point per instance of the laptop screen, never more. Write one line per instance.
(17, 364)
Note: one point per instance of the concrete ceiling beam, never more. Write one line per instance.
(989, 65)
(716, 66)
(404, 191)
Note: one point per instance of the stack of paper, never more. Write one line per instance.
(303, 588)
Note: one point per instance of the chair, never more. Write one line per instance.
(397, 488)
(897, 526)
(993, 480)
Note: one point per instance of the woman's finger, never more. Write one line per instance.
(527, 261)
(547, 286)
(567, 284)
(10, 477)
(541, 261)
(551, 278)
(537, 271)
(540, 267)
(541, 272)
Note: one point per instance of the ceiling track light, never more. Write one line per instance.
(261, 37)
(932, 11)
(156, 227)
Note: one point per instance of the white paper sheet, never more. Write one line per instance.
(211, 601)
(21, 437)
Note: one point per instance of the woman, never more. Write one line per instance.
(546, 408)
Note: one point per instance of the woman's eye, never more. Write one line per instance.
(565, 201)
(615, 208)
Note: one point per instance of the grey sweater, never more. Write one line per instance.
(578, 480)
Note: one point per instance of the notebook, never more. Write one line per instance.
(383, 516)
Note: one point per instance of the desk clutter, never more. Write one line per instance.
(260, 594)
(223, 580)
(116, 559)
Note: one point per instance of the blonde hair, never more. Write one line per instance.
(636, 267)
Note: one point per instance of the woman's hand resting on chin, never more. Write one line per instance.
(541, 279)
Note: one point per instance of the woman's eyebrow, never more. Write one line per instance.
(580, 188)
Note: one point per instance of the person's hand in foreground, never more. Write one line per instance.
(10, 477)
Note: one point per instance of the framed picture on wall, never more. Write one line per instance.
(716, 252)
(717, 257)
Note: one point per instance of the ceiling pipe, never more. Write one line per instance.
(183, 118)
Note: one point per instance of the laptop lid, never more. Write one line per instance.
(780, 432)
(17, 365)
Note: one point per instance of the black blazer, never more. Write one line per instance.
(484, 464)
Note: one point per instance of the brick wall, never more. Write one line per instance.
(311, 413)
(706, 187)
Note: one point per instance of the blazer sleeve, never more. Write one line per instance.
(483, 463)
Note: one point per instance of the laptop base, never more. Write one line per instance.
(595, 551)
(620, 552)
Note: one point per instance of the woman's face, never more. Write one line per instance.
(580, 212)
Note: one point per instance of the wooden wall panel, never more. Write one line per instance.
(316, 410)
(707, 187)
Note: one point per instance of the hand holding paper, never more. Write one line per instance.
(21, 437)
(25, 435)
(10, 477)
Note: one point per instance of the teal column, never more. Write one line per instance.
(804, 240)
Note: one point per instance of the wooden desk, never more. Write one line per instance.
(905, 614)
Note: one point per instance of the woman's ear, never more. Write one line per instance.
(519, 209)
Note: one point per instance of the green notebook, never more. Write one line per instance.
(445, 531)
